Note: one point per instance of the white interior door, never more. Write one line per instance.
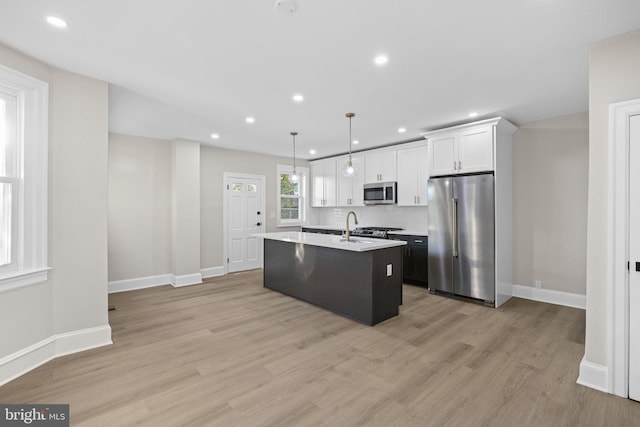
(245, 217)
(634, 257)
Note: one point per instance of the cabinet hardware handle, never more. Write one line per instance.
(459, 165)
(455, 227)
(418, 199)
(455, 166)
(419, 241)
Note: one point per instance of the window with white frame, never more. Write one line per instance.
(292, 196)
(23, 179)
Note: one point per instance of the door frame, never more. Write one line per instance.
(618, 243)
(225, 205)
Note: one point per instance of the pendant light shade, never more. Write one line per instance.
(349, 170)
(293, 177)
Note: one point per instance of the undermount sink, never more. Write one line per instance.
(352, 240)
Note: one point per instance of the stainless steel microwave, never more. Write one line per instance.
(380, 193)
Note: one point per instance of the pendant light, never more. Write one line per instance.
(293, 177)
(349, 170)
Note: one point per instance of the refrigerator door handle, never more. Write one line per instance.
(455, 227)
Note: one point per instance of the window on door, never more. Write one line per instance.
(292, 196)
(23, 179)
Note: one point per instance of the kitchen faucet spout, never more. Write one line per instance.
(347, 234)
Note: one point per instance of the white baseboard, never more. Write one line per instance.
(29, 358)
(139, 283)
(164, 279)
(593, 376)
(212, 272)
(186, 280)
(550, 296)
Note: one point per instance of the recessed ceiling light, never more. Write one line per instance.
(356, 142)
(215, 136)
(473, 114)
(381, 60)
(401, 130)
(57, 22)
(312, 151)
(250, 120)
(298, 98)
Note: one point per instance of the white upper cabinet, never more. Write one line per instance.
(380, 166)
(462, 149)
(442, 154)
(350, 189)
(475, 150)
(323, 183)
(413, 174)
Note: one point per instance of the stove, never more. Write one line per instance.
(377, 232)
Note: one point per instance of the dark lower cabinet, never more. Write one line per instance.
(414, 258)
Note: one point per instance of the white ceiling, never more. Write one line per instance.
(185, 69)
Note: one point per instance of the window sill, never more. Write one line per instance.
(19, 279)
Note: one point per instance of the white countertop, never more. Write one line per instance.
(357, 244)
(409, 232)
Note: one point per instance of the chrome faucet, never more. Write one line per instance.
(347, 233)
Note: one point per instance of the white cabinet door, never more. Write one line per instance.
(475, 150)
(380, 166)
(350, 188)
(423, 175)
(345, 185)
(408, 165)
(442, 154)
(323, 183)
(358, 182)
(372, 168)
(317, 185)
(330, 184)
(413, 174)
(388, 172)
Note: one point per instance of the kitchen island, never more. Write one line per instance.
(360, 279)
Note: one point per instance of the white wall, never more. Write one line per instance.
(216, 161)
(614, 70)
(550, 175)
(185, 211)
(74, 299)
(139, 207)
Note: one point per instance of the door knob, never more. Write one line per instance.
(258, 213)
(637, 266)
(259, 224)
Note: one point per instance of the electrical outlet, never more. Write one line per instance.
(538, 284)
(389, 270)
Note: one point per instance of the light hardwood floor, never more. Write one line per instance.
(231, 353)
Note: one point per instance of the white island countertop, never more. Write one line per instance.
(357, 244)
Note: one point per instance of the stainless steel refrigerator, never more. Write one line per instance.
(461, 236)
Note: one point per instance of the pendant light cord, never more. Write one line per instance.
(294, 151)
(350, 115)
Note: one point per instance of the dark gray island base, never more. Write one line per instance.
(351, 283)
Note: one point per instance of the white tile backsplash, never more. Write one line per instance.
(406, 217)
